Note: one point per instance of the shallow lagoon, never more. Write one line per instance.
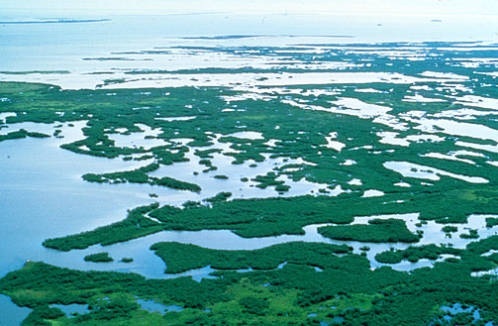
(52, 200)
(54, 183)
(41, 186)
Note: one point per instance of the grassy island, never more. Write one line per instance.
(101, 257)
(377, 230)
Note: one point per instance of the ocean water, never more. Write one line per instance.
(61, 46)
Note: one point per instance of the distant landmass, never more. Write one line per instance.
(53, 21)
(228, 37)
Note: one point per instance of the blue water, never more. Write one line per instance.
(72, 309)
(10, 314)
(152, 306)
(42, 196)
(49, 46)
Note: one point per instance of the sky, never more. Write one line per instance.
(463, 8)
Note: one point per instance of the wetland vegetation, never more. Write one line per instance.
(101, 257)
(412, 180)
(391, 230)
(314, 285)
(140, 176)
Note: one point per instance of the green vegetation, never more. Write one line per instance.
(257, 218)
(446, 201)
(270, 180)
(491, 221)
(136, 225)
(484, 245)
(21, 134)
(222, 196)
(471, 235)
(177, 184)
(183, 257)
(449, 229)
(377, 230)
(248, 218)
(296, 292)
(293, 283)
(269, 216)
(221, 177)
(140, 176)
(101, 257)
(414, 254)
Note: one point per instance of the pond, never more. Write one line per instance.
(72, 310)
(153, 306)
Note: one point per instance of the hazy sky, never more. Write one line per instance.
(340, 7)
